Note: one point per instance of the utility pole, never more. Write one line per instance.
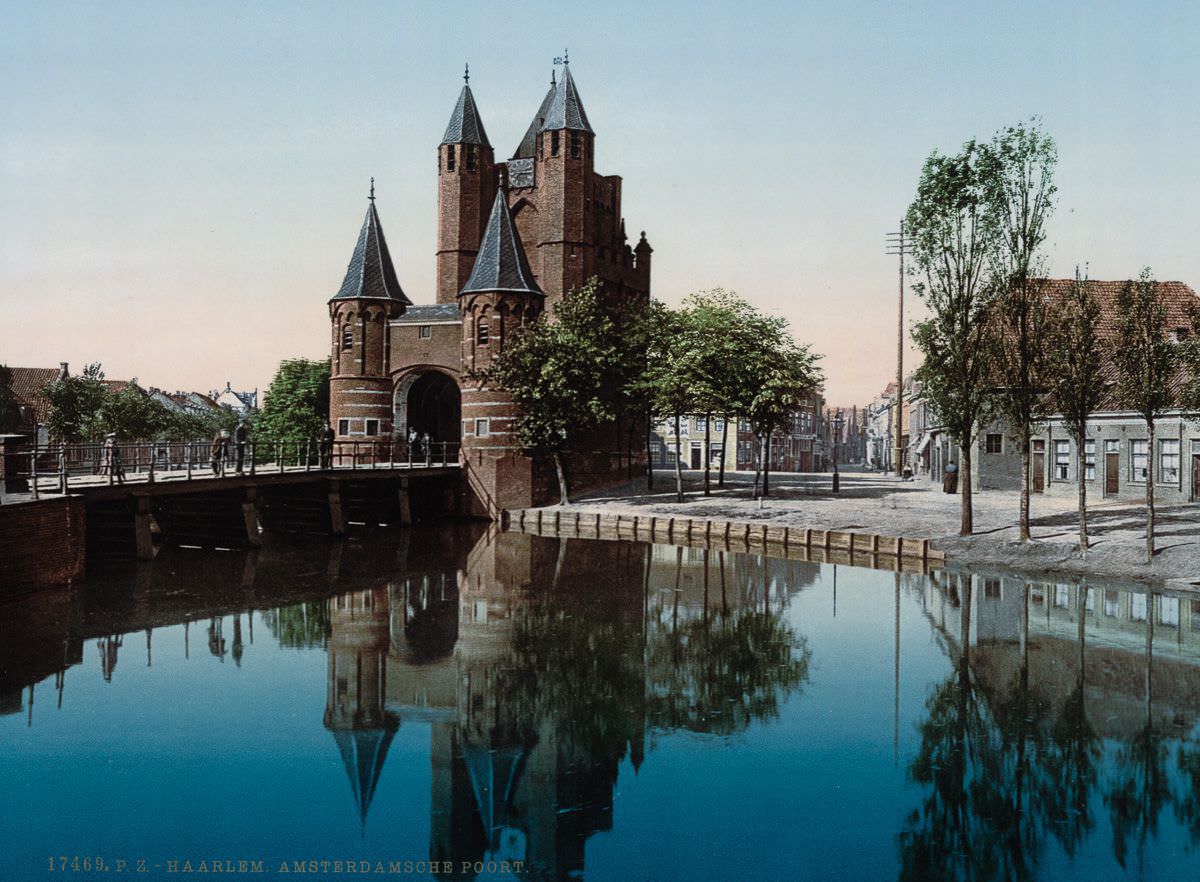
(898, 245)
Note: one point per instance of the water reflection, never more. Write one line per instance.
(1052, 727)
(1051, 716)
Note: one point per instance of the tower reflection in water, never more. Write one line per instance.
(540, 665)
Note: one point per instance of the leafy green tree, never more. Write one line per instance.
(953, 237)
(1146, 363)
(647, 333)
(297, 402)
(787, 372)
(132, 414)
(722, 332)
(669, 378)
(1073, 368)
(559, 375)
(75, 406)
(1017, 169)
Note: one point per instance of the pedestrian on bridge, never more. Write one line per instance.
(111, 459)
(325, 446)
(219, 452)
(240, 435)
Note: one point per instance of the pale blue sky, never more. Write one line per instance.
(181, 184)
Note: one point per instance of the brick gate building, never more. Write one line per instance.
(514, 237)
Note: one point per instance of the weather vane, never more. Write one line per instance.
(372, 196)
(565, 58)
(467, 73)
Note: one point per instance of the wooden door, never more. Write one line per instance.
(1038, 466)
(1112, 473)
(695, 457)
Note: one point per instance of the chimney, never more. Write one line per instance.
(63, 372)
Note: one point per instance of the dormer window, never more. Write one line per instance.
(481, 332)
(347, 336)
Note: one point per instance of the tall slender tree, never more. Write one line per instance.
(1074, 373)
(1017, 168)
(1146, 364)
(953, 237)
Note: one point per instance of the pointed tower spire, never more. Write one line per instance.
(370, 273)
(528, 146)
(566, 108)
(466, 126)
(501, 264)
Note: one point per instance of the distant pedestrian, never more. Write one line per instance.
(240, 436)
(325, 445)
(219, 452)
(111, 459)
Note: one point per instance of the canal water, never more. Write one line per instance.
(457, 703)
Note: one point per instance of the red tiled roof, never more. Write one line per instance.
(1178, 298)
(27, 385)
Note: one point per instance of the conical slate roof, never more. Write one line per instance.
(566, 108)
(370, 273)
(363, 754)
(528, 146)
(501, 264)
(465, 125)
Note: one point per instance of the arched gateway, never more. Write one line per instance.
(429, 403)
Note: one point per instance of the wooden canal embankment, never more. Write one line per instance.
(870, 550)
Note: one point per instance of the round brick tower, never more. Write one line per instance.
(360, 389)
(500, 296)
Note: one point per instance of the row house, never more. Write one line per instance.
(1117, 453)
(665, 447)
(803, 447)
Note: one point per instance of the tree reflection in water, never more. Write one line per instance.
(1004, 772)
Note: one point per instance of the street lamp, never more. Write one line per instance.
(837, 433)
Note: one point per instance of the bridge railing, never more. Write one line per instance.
(53, 468)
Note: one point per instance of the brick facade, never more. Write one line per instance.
(43, 544)
(568, 224)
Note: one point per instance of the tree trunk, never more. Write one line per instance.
(1023, 518)
(649, 458)
(678, 462)
(707, 458)
(562, 479)
(967, 525)
(724, 443)
(757, 455)
(766, 463)
(1081, 467)
(1150, 491)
